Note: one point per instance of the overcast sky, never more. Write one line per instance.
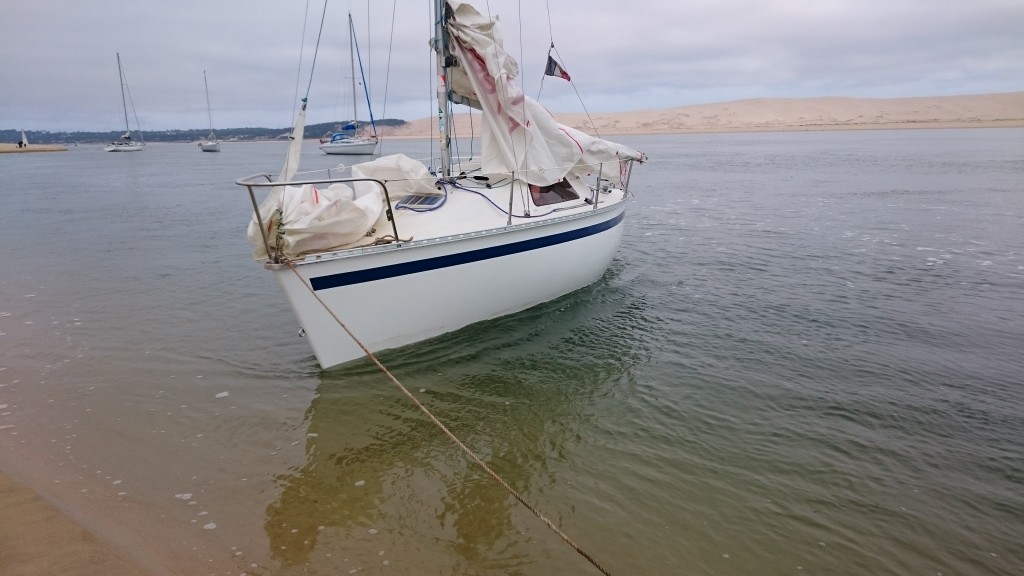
(58, 69)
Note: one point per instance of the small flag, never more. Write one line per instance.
(555, 69)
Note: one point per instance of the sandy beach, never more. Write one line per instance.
(13, 148)
(37, 539)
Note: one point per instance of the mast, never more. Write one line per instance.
(362, 77)
(209, 114)
(352, 67)
(124, 104)
(444, 59)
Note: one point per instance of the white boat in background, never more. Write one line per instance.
(348, 139)
(342, 143)
(126, 143)
(397, 251)
(210, 144)
(23, 143)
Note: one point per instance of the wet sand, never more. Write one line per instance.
(37, 539)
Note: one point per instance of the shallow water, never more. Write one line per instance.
(804, 359)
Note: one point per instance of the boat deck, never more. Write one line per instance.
(474, 209)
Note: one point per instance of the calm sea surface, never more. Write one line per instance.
(807, 358)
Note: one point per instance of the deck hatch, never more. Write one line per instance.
(420, 201)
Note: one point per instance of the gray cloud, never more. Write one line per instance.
(59, 69)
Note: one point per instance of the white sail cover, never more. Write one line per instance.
(304, 219)
(519, 135)
(310, 219)
(402, 175)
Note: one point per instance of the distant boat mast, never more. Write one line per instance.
(124, 103)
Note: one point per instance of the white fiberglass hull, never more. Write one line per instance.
(133, 147)
(355, 148)
(394, 295)
(209, 146)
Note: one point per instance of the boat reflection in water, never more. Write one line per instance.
(381, 485)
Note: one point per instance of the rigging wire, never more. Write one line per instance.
(551, 37)
(551, 40)
(387, 71)
(302, 48)
(316, 50)
(131, 103)
(432, 89)
(369, 54)
(593, 125)
(503, 95)
(522, 62)
(551, 34)
(492, 203)
(362, 74)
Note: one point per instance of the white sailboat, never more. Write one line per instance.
(347, 140)
(398, 253)
(126, 143)
(210, 144)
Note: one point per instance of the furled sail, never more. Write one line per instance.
(519, 135)
(275, 200)
(291, 163)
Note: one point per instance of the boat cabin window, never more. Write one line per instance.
(558, 192)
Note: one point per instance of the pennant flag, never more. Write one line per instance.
(555, 69)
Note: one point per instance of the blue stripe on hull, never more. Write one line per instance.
(417, 266)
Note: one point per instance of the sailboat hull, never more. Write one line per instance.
(132, 147)
(209, 146)
(395, 295)
(354, 148)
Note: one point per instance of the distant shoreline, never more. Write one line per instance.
(416, 134)
(1004, 110)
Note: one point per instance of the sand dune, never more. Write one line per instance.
(785, 114)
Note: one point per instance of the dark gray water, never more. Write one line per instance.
(806, 358)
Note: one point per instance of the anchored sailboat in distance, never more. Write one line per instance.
(348, 140)
(210, 144)
(401, 251)
(126, 144)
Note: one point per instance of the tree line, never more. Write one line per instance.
(191, 135)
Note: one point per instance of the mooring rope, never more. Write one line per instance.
(455, 439)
